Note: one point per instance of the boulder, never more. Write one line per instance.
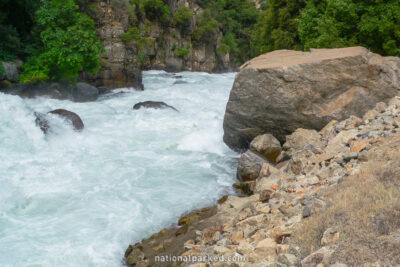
(72, 117)
(85, 92)
(267, 145)
(249, 166)
(303, 139)
(281, 91)
(153, 104)
(42, 122)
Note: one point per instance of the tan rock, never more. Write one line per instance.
(395, 101)
(267, 145)
(244, 248)
(302, 138)
(284, 90)
(328, 132)
(249, 166)
(237, 236)
(321, 256)
(358, 146)
(330, 236)
(380, 107)
(370, 115)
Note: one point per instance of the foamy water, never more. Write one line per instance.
(79, 199)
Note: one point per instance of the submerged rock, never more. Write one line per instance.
(72, 117)
(281, 91)
(153, 104)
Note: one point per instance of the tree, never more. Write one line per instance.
(68, 40)
(277, 27)
(339, 23)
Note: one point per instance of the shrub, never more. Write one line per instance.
(182, 16)
(182, 52)
(206, 25)
(69, 44)
(132, 34)
(156, 10)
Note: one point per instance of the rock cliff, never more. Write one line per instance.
(281, 91)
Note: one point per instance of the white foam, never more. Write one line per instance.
(78, 199)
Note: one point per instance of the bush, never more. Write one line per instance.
(206, 25)
(181, 52)
(132, 34)
(340, 23)
(182, 16)
(69, 44)
(156, 10)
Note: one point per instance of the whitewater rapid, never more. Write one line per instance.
(80, 198)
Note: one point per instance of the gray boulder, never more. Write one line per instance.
(249, 166)
(72, 117)
(85, 92)
(281, 91)
(153, 104)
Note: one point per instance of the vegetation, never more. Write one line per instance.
(182, 16)
(55, 40)
(364, 209)
(340, 23)
(182, 52)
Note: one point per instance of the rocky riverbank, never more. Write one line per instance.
(268, 227)
(328, 196)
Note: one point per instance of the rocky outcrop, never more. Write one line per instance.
(118, 64)
(281, 91)
(263, 229)
(154, 105)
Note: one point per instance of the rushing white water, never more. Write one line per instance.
(79, 198)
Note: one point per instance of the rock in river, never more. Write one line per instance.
(153, 104)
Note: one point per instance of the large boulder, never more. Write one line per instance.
(85, 92)
(281, 91)
(267, 145)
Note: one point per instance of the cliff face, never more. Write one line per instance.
(132, 44)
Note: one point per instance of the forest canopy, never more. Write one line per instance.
(57, 40)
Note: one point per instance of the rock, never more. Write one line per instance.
(135, 256)
(370, 115)
(321, 256)
(85, 92)
(249, 166)
(349, 156)
(302, 138)
(288, 259)
(42, 122)
(153, 104)
(380, 107)
(267, 145)
(330, 236)
(72, 117)
(395, 101)
(306, 211)
(281, 91)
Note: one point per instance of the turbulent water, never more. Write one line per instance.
(79, 198)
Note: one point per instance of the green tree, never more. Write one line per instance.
(69, 43)
(338, 23)
(277, 27)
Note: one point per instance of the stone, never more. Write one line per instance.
(302, 138)
(153, 104)
(135, 256)
(306, 211)
(72, 117)
(395, 101)
(249, 166)
(42, 122)
(85, 92)
(284, 90)
(380, 107)
(358, 146)
(288, 259)
(244, 248)
(267, 145)
(321, 256)
(349, 156)
(370, 115)
(330, 236)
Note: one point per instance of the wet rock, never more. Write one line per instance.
(154, 105)
(267, 145)
(72, 117)
(42, 122)
(85, 92)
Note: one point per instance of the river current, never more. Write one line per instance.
(80, 198)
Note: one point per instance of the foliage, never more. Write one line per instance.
(206, 25)
(132, 34)
(340, 23)
(182, 52)
(156, 10)
(277, 27)
(69, 43)
(182, 16)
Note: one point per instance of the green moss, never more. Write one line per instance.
(182, 16)
(181, 52)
